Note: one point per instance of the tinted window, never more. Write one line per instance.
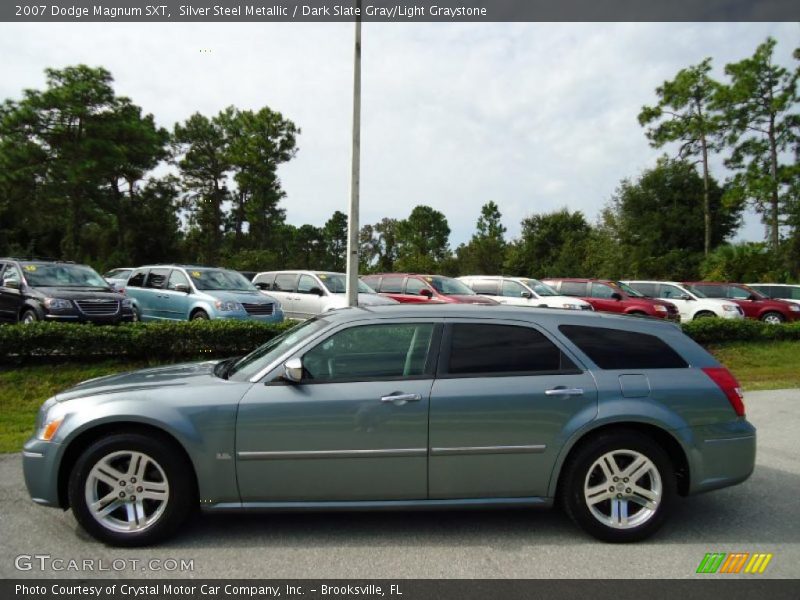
(738, 293)
(306, 283)
(512, 289)
(371, 352)
(477, 348)
(11, 274)
(792, 292)
(573, 288)
(670, 291)
(392, 285)
(601, 290)
(137, 279)
(415, 286)
(711, 290)
(177, 278)
(486, 287)
(648, 289)
(284, 282)
(264, 281)
(619, 349)
(157, 278)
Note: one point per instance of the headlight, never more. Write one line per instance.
(661, 308)
(57, 303)
(731, 308)
(571, 306)
(226, 306)
(49, 420)
(794, 308)
(126, 303)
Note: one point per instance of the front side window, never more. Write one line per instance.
(220, 279)
(541, 288)
(177, 278)
(671, 291)
(367, 352)
(264, 281)
(601, 290)
(11, 274)
(619, 349)
(448, 286)
(740, 293)
(285, 282)
(477, 349)
(62, 275)
(512, 289)
(414, 286)
(336, 283)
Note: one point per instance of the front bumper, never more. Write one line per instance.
(40, 462)
(124, 316)
(722, 455)
(275, 317)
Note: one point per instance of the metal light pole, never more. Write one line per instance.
(352, 221)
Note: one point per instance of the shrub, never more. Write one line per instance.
(717, 331)
(155, 341)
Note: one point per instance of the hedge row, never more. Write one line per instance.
(156, 341)
(213, 339)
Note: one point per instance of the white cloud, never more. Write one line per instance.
(533, 116)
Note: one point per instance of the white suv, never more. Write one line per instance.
(522, 291)
(691, 304)
(305, 294)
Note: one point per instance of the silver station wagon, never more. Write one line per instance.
(398, 407)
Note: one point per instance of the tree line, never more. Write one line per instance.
(86, 176)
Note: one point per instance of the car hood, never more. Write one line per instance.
(560, 300)
(75, 293)
(173, 375)
(469, 299)
(254, 297)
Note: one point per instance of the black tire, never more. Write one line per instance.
(174, 468)
(773, 317)
(137, 316)
(199, 315)
(704, 314)
(28, 316)
(579, 472)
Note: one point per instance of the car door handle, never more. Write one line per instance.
(562, 391)
(401, 398)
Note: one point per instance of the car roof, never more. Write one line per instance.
(650, 281)
(553, 316)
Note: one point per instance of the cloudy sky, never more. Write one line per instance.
(533, 116)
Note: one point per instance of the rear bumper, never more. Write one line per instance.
(722, 455)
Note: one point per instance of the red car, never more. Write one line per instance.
(754, 304)
(615, 297)
(416, 289)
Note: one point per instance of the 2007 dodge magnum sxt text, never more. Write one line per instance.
(391, 406)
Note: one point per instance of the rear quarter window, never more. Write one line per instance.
(618, 349)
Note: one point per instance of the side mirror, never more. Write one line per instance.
(182, 287)
(526, 294)
(752, 297)
(12, 284)
(262, 286)
(685, 297)
(316, 291)
(293, 370)
(616, 296)
(426, 292)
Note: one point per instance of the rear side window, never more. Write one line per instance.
(573, 288)
(392, 285)
(487, 287)
(137, 279)
(157, 278)
(619, 349)
(477, 349)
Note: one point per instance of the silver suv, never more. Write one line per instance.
(305, 294)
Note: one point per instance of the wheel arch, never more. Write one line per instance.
(664, 438)
(88, 436)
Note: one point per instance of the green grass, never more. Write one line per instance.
(23, 389)
(762, 365)
(757, 365)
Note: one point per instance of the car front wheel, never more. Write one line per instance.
(619, 486)
(131, 490)
(28, 317)
(773, 318)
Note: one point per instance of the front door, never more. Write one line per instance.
(355, 428)
(309, 297)
(505, 399)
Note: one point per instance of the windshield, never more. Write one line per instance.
(246, 367)
(449, 287)
(336, 283)
(542, 289)
(220, 279)
(62, 275)
(629, 290)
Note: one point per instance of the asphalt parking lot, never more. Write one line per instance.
(761, 515)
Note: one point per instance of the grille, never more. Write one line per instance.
(259, 309)
(98, 308)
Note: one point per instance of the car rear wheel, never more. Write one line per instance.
(619, 486)
(131, 490)
(28, 317)
(773, 318)
(199, 315)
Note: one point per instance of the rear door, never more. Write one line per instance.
(505, 399)
(153, 302)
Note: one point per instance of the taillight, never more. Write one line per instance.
(728, 384)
